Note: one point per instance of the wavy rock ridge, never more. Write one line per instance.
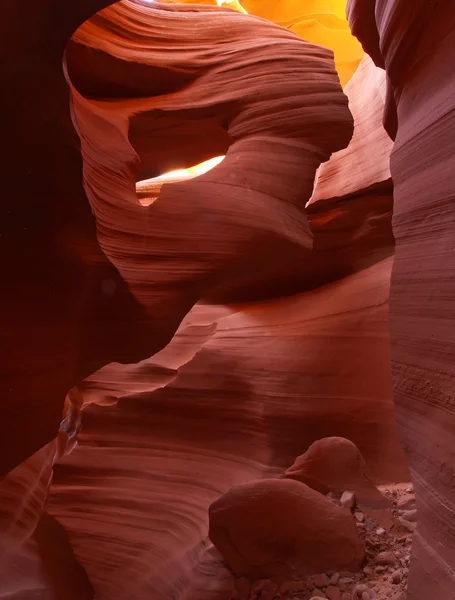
(240, 391)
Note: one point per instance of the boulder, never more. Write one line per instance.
(335, 464)
(278, 527)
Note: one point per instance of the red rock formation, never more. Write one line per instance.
(58, 322)
(357, 167)
(277, 527)
(416, 45)
(75, 313)
(274, 378)
(212, 410)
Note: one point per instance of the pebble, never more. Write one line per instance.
(396, 577)
(380, 531)
(410, 489)
(345, 583)
(359, 516)
(335, 579)
(333, 593)
(365, 596)
(407, 524)
(360, 589)
(406, 501)
(296, 586)
(316, 594)
(321, 580)
(348, 500)
(368, 571)
(385, 558)
(410, 515)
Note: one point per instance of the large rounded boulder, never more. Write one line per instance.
(278, 527)
(335, 464)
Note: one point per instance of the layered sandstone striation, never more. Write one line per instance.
(415, 45)
(281, 312)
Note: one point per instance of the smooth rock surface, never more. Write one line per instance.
(282, 527)
(416, 45)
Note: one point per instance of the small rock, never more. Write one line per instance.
(385, 558)
(407, 524)
(410, 489)
(359, 516)
(333, 593)
(396, 577)
(335, 579)
(366, 596)
(317, 594)
(345, 596)
(406, 501)
(380, 569)
(361, 525)
(321, 581)
(410, 515)
(368, 571)
(380, 531)
(345, 584)
(348, 500)
(360, 589)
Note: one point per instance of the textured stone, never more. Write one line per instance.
(416, 46)
(280, 527)
(333, 593)
(385, 558)
(347, 500)
(336, 464)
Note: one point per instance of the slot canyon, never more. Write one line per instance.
(228, 300)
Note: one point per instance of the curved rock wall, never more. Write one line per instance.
(240, 391)
(416, 45)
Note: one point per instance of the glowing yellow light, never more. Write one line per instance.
(234, 4)
(148, 190)
(321, 22)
